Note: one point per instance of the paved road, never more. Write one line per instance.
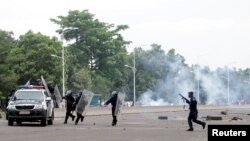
(142, 125)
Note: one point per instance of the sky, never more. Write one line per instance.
(214, 33)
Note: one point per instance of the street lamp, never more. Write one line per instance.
(228, 98)
(63, 60)
(228, 89)
(134, 69)
(197, 73)
(228, 82)
(199, 57)
(63, 69)
(198, 87)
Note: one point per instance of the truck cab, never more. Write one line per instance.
(32, 104)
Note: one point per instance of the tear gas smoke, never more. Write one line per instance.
(180, 78)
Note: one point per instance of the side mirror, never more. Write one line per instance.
(48, 98)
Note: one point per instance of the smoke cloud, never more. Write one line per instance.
(222, 86)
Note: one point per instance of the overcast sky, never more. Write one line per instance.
(208, 32)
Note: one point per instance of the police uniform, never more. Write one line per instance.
(193, 113)
(70, 101)
(113, 101)
(79, 115)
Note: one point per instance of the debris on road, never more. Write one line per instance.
(223, 112)
(236, 118)
(163, 117)
(213, 117)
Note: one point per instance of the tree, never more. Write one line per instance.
(7, 76)
(81, 80)
(32, 58)
(94, 45)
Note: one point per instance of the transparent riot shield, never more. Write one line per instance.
(49, 110)
(84, 102)
(119, 103)
(45, 85)
(27, 83)
(57, 96)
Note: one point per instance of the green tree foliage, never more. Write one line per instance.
(93, 44)
(81, 80)
(7, 77)
(32, 58)
(103, 86)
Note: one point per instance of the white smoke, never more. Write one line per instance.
(147, 99)
(213, 85)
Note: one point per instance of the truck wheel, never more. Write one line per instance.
(50, 121)
(43, 122)
(10, 122)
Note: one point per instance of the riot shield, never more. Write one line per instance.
(45, 85)
(57, 96)
(84, 102)
(119, 103)
(27, 83)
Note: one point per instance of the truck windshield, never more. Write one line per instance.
(24, 95)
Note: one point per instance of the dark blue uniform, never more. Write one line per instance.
(79, 115)
(193, 113)
(70, 101)
(113, 101)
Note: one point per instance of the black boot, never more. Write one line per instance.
(82, 117)
(114, 123)
(190, 129)
(203, 125)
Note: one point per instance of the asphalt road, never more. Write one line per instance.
(141, 126)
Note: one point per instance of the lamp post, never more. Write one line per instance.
(63, 70)
(63, 60)
(228, 96)
(228, 82)
(196, 72)
(228, 85)
(198, 87)
(199, 58)
(134, 69)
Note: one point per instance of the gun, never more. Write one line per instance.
(184, 98)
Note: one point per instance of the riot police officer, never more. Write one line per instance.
(193, 113)
(80, 108)
(69, 103)
(113, 101)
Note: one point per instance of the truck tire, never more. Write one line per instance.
(50, 121)
(43, 122)
(10, 122)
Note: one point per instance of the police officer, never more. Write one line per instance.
(193, 113)
(9, 98)
(79, 108)
(39, 82)
(70, 101)
(113, 101)
(51, 88)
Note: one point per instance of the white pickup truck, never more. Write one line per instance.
(31, 104)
